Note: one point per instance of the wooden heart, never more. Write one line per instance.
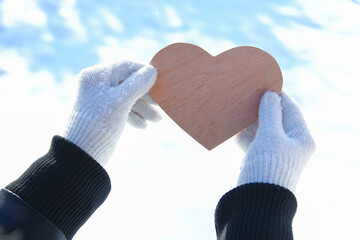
(213, 98)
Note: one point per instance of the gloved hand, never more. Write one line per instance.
(278, 146)
(105, 97)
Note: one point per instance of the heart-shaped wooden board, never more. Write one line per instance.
(213, 98)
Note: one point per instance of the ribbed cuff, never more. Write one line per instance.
(256, 211)
(270, 168)
(66, 185)
(97, 138)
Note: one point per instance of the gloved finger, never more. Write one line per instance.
(293, 120)
(147, 111)
(148, 98)
(245, 138)
(270, 115)
(121, 70)
(137, 85)
(136, 120)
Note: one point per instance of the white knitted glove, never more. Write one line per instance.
(278, 147)
(105, 97)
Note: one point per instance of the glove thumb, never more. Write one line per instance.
(270, 115)
(137, 85)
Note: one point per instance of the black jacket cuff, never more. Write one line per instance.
(18, 216)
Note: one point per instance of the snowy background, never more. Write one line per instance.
(165, 185)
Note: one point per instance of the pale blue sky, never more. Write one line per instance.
(165, 185)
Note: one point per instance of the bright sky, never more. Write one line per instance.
(165, 185)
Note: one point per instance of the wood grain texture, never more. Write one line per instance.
(213, 98)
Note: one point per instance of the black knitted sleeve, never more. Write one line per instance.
(256, 211)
